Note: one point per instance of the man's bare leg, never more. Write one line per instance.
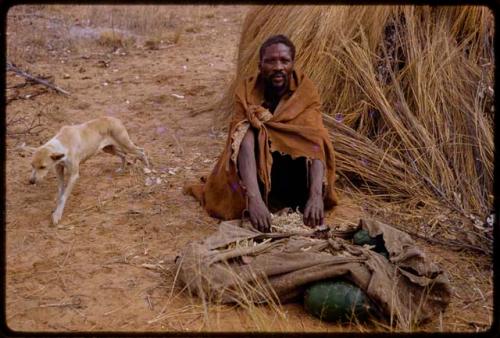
(314, 212)
(259, 214)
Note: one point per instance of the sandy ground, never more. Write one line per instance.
(109, 265)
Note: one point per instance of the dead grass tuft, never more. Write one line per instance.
(176, 36)
(37, 32)
(152, 44)
(110, 38)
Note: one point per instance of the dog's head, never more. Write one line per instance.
(42, 161)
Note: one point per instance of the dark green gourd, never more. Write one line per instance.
(336, 300)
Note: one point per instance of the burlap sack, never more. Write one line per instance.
(238, 263)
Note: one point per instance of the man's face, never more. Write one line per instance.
(276, 66)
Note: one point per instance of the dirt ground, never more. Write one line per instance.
(109, 265)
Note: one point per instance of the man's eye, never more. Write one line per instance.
(272, 62)
(42, 167)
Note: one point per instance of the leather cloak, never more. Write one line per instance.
(296, 128)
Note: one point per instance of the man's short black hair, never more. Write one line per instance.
(272, 40)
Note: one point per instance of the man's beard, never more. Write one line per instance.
(277, 89)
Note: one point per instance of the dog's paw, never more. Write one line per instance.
(56, 217)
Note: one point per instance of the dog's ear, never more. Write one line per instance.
(56, 156)
(26, 148)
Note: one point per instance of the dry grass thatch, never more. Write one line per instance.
(407, 95)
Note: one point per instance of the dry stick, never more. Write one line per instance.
(199, 111)
(70, 304)
(9, 100)
(149, 303)
(181, 311)
(35, 123)
(35, 79)
(127, 304)
(471, 321)
(448, 242)
(175, 279)
(61, 266)
(179, 145)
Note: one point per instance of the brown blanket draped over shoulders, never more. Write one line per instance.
(296, 128)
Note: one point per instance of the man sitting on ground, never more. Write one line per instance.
(278, 153)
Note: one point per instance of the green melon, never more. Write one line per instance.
(361, 237)
(336, 300)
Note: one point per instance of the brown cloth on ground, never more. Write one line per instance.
(407, 287)
(296, 128)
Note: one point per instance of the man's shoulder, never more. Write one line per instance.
(246, 83)
(303, 82)
(249, 79)
(302, 77)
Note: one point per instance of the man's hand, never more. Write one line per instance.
(259, 214)
(314, 211)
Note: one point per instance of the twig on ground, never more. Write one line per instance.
(155, 267)
(174, 136)
(149, 303)
(75, 302)
(455, 244)
(473, 322)
(178, 313)
(25, 97)
(61, 266)
(198, 111)
(30, 77)
(29, 127)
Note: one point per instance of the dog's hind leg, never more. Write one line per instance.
(122, 138)
(113, 150)
(74, 174)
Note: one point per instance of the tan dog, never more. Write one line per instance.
(73, 145)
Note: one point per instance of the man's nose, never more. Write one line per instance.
(278, 66)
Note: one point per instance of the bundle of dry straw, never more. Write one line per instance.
(407, 95)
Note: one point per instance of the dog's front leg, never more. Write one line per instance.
(74, 174)
(60, 180)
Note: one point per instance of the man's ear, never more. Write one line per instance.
(56, 156)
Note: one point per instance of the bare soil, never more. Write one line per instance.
(109, 265)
